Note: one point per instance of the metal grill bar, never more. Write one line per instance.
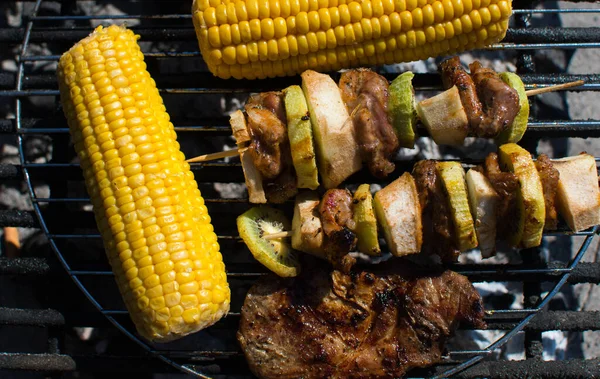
(173, 83)
(188, 16)
(583, 37)
(584, 272)
(23, 219)
(534, 369)
(536, 129)
(31, 317)
(37, 362)
(25, 266)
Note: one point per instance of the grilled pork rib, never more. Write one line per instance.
(380, 322)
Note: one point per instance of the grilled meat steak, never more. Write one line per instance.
(500, 101)
(270, 146)
(549, 177)
(454, 74)
(365, 94)
(335, 210)
(380, 322)
(438, 228)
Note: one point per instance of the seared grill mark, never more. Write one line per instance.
(342, 327)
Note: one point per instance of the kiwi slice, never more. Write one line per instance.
(530, 196)
(366, 223)
(515, 131)
(301, 137)
(276, 254)
(401, 107)
(453, 179)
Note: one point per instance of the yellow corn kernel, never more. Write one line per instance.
(126, 146)
(314, 31)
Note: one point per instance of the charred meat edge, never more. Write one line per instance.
(365, 94)
(379, 322)
(438, 226)
(335, 211)
(269, 146)
(549, 177)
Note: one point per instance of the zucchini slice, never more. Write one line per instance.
(401, 107)
(366, 223)
(530, 201)
(301, 137)
(515, 131)
(453, 179)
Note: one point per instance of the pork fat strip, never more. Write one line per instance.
(365, 94)
(500, 101)
(267, 128)
(506, 185)
(336, 214)
(376, 323)
(438, 235)
(454, 74)
(549, 177)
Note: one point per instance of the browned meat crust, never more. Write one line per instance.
(377, 323)
(336, 214)
(500, 101)
(506, 185)
(549, 177)
(365, 94)
(270, 146)
(268, 132)
(438, 227)
(284, 186)
(454, 74)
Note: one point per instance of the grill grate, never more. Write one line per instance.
(214, 350)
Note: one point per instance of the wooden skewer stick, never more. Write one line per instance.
(531, 92)
(214, 156)
(537, 91)
(275, 236)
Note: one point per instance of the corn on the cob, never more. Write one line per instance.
(156, 229)
(257, 39)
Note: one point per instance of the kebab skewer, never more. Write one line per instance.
(333, 129)
(438, 209)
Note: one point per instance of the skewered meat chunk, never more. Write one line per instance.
(365, 94)
(438, 228)
(268, 132)
(270, 146)
(500, 101)
(454, 74)
(335, 210)
(549, 177)
(376, 323)
(506, 185)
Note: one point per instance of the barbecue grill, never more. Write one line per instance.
(66, 220)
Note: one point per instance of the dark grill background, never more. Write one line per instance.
(40, 301)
